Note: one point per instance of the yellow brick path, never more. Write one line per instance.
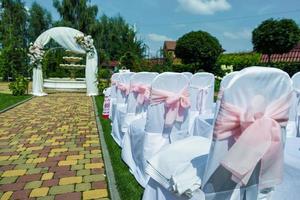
(49, 149)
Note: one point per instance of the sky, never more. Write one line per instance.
(230, 21)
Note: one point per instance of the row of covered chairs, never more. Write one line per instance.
(179, 144)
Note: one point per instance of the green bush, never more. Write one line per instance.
(102, 85)
(239, 61)
(184, 68)
(19, 87)
(104, 73)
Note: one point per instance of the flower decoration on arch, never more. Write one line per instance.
(87, 43)
(36, 54)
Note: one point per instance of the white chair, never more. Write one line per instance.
(226, 79)
(251, 121)
(289, 189)
(254, 107)
(202, 100)
(113, 97)
(123, 89)
(160, 128)
(138, 101)
(189, 75)
(293, 129)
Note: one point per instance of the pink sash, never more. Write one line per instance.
(142, 91)
(125, 88)
(176, 103)
(258, 138)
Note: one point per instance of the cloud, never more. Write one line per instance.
(158, 38)
(244, 34)
(204, 7)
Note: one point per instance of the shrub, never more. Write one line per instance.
(104, 73)
(238, 61)
(19, 87)
(102, 85)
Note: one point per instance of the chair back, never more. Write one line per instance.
(254, 106)
(202, 92)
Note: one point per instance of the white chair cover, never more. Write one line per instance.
(226, 79)
(276, 84)
(289, 189)
(156, 134)
(293, 129)
(202, 100)
(121, 106)
(189, 75)
(135, 111)
(113, 97)
(245, 91)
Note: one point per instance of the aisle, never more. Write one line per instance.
(49, 149)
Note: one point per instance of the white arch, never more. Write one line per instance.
(65, 37)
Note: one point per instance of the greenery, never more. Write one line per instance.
(275, 36)
(127, 186)
(7, 100)
(198, 48)
(238, 61)
(13, 38)
(39, 20)
(102, 85)
(130, 61)
(19, 87)
(104, 74)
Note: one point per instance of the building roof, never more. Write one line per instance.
(292, 56)
(170, 45)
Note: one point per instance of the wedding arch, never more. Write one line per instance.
(70, 39)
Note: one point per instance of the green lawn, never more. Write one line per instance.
(127, 186)
(7, 100)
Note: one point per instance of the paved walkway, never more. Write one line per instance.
(49, 149)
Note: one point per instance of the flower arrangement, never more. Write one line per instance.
(86, 42)
(36, 54)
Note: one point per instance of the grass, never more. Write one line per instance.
(7, 100)
(127, 186)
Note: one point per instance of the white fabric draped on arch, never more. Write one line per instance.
(65, 37)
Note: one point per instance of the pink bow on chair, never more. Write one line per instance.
(124, 88)
(143, 92)
(175, 103)
(258, 138)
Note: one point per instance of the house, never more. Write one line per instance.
(169, 48)
(292, 56)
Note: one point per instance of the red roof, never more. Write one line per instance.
(292, 56)
(170, 45)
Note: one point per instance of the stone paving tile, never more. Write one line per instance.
(49, 149)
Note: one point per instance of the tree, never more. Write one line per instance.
(130, 61)
(13, 38)
(275, 37)
(198, 48)
(40, 20)
(78, 14)
(116, 37)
